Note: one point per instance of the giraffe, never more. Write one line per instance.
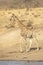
(27, 33)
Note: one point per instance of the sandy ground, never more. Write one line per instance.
(10, 47)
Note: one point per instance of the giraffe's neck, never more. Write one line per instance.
(24, 29)
(20, 24)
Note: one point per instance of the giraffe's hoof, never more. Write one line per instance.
(27, 50)
(37, 49)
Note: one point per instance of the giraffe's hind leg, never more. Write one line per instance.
(36, 41)
(37, 44)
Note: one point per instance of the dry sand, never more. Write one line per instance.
(10, 47)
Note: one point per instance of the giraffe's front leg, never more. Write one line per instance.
(27, 44)
(30, 42)
(21, 44)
